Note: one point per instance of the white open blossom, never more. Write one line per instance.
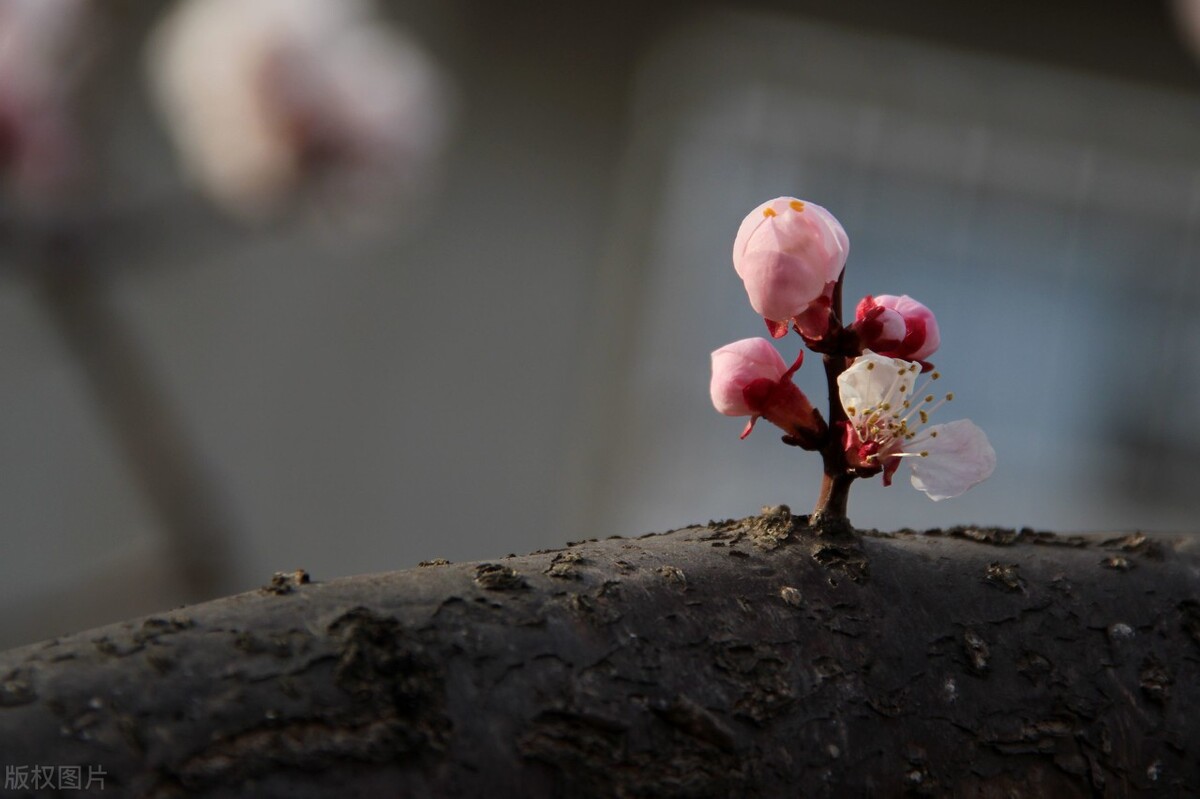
(888, 417)
(268, 97)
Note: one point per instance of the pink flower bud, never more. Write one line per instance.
(898, 327)
(736, 366)
(786, 252)
(749, 378)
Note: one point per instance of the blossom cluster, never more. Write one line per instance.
(791, 256)
(271, 104)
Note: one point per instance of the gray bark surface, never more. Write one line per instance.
(741, 658)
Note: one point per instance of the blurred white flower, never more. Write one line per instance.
(40, 57)
(268, 98)
(1187, 16)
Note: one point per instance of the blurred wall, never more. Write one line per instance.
(1045, 231)
(522, 360)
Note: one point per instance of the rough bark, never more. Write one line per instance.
(740, 658)
(163, 459)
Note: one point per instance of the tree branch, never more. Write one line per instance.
(739, 658)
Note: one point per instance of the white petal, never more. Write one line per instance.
(959, 457)
(871, 381)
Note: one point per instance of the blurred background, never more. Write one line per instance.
(464, 306)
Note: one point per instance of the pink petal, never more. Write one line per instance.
(781, 284)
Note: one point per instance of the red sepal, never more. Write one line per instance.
(757, 393)
(889, 469)
(794, 367)
(914, 335)
(857, 451)
(869, 330)
(749, 427)
(776, 329)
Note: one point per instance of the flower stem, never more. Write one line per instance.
(835, 491)
(830, 510)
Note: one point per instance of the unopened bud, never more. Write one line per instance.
(787, 252)
(750, 378)
(897, 327)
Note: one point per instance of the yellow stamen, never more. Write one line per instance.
(796, 205)
(769, 212)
